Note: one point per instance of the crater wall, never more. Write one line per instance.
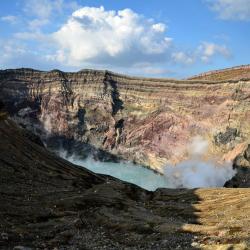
(148, 121)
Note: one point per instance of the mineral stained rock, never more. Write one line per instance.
(49, 203)
(148, 121)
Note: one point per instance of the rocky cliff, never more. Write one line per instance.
(49, 203)
(148, 121)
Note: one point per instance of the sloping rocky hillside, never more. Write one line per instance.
(234, 73)
(149, 121)
(49, 203)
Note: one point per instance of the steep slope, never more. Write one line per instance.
(149, 121)
(48, 203)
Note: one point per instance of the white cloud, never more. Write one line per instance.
(231, 9)
(159, 27)
(10, 19)
(122, 41)
(10, 50)
(17, 54)
(205, 52)
(43, 9)
(36, 24)
(95, 35)
(40, 39)
(208, 50)
(183, 58)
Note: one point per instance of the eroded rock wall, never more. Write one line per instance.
(149, 121)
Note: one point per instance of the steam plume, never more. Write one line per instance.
(196, 172)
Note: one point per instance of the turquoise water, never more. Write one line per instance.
(125, 171)
(192, 173)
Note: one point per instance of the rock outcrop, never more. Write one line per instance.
(148, 121)
(242, 165)
(49, 203)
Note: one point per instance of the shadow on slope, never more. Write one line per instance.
(48, 202)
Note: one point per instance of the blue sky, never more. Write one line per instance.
(159, 38)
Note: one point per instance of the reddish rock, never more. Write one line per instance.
(159, 116)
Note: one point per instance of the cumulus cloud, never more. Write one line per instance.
(122, 41)
(95, 35)
(231, 9)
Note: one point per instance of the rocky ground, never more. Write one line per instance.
(49, 203)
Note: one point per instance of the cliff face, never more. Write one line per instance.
(149, 121)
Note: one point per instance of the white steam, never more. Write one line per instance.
(198, 146)
(192, 173)
(196, 172)
(46, 121)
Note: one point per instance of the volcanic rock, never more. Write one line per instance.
(148, 121)
(242, 165)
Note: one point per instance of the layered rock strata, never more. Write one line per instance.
(149, 121)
